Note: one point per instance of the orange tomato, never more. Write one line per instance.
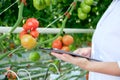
(65, 48)
(28, 42)
(57, 44)
(67, 40)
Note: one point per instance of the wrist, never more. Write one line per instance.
(84, 63)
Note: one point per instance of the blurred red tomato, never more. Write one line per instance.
(57, 44)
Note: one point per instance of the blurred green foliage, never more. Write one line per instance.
(49, 14)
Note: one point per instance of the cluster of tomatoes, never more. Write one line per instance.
(84, 9)
(42, 4)
(63, 42)
(29, 33)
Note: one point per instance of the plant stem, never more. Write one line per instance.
(21, 6)
(7, 53)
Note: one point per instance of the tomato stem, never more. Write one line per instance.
(3, 55)
(21, 6)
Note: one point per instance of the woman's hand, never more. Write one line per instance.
(81, 62)
(83, 51)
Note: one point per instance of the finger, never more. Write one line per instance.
(77, 51)
(57, 55)
(64, 57)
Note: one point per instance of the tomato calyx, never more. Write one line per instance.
(74, 4)
(67, 14)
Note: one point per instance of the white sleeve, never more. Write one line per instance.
(119, 64)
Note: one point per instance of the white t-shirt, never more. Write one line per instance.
(106, 40)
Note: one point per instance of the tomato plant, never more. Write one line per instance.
(67, 40)
(28, 42)
(57, 44)
(34, 56)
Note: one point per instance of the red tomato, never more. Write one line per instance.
(28, 42)
(23, 32)
(26, 28)
(32, 23)
(67, 40)
(34, 33)
(57, 44)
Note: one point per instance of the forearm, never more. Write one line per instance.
(110, 68)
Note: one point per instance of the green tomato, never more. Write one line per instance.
(34, 56)
(85, 8)
(88, 2)
(42, 2)
(38, 4)
(81, 15)
(47, 2)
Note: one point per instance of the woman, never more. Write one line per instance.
(105, 47)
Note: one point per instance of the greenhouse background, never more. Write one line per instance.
(56, 18)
